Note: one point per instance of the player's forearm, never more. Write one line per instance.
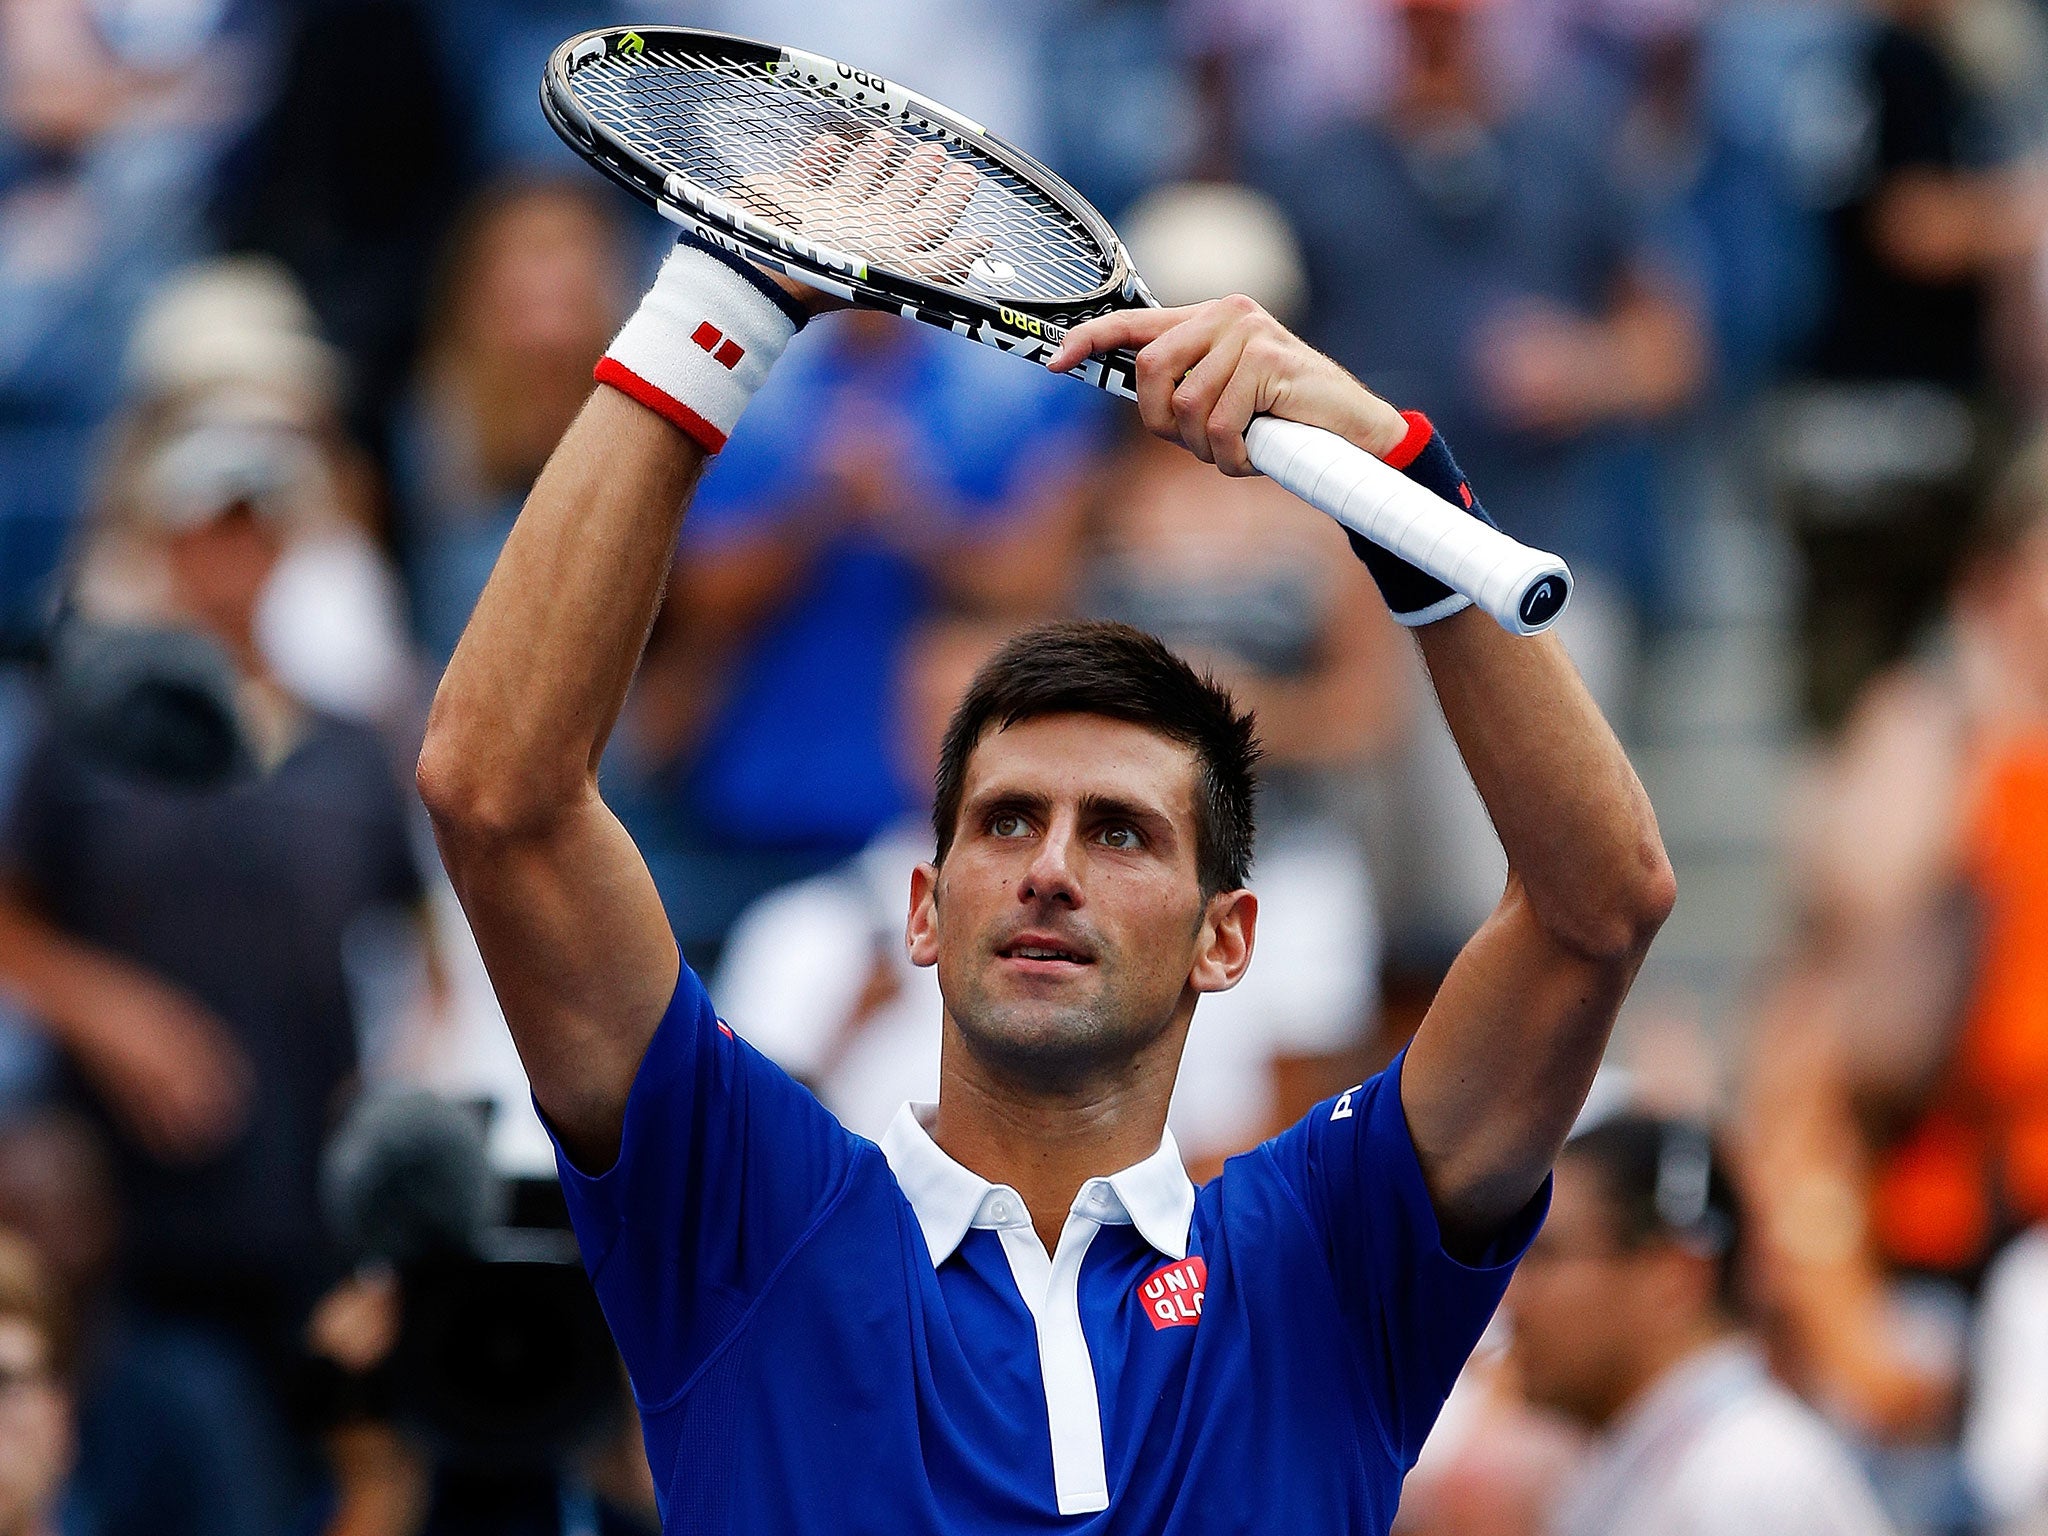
(540, 675)
(1577, 826)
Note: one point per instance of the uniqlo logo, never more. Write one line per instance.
(1172, 1297)
(723, 349)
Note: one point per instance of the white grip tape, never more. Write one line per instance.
(1378, 502)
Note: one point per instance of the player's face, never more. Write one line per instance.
(1068, 923)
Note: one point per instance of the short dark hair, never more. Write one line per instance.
(1090, 667)
(1666, 1181)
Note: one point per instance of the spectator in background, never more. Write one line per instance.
(886, 472)
(1697, 99)
(1626, 1315)
(153, 1455)
(2005, 1430)
(352, 187)
(1897, 1123)
(1270, 73)
(187, 950)
(1470, 255)
(37, 1428)
(1121, 112)
(111, 122)
(331, 622)
(531, 289)
(1883, 458)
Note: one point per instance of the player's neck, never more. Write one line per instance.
(1047, 1146)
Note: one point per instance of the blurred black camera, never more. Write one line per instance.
(503, 1362)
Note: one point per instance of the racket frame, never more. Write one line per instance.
(1032, 329)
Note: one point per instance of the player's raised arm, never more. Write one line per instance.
(1501, 1065)
(566, 915)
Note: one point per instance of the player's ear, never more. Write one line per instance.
(1223, 948)
(922, 931)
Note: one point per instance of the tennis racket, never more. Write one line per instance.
(735, 141)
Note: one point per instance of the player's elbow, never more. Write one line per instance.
(1639, 904)
(1654, 896)
(475, 797)
(1612, 922)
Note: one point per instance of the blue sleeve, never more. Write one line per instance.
(1416, 1311)
(725, 1164)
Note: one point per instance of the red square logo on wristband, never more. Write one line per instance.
(723, 349)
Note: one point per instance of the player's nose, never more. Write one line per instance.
(1054, 873)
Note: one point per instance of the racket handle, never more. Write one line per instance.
(1523, 589)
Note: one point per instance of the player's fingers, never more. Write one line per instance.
(912, 179)
(1120, 328)
(1269, 367)
(866, 167)
(820, 159)
(1241, 398)
(942, 206)
(1166, 360)
(1195, 397)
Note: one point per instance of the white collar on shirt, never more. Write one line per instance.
(1155, 1195)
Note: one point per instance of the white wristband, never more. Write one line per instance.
(701, 342)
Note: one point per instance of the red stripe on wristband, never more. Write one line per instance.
(1406, 451)
(665, 405)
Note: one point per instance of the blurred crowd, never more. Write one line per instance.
(297, 295)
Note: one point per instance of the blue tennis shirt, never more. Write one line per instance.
(829, 1335)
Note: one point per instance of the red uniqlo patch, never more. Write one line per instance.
(723, 349)
(1172, 1297)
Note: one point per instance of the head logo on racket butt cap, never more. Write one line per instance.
(1541, 603)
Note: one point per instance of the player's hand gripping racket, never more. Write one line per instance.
(752, 146)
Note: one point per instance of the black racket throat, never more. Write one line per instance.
(711, 130)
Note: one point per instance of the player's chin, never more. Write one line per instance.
(1050, 1045)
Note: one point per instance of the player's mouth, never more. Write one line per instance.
(1044, 954)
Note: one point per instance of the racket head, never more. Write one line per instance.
(723, 135)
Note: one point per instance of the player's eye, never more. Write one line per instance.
(1121, 837)
(1006, 824)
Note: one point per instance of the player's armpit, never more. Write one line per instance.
(580, 955)
(1501, 1066)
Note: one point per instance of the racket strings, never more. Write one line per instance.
(753, 138)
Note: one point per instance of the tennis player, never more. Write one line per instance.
(1016, 1313)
